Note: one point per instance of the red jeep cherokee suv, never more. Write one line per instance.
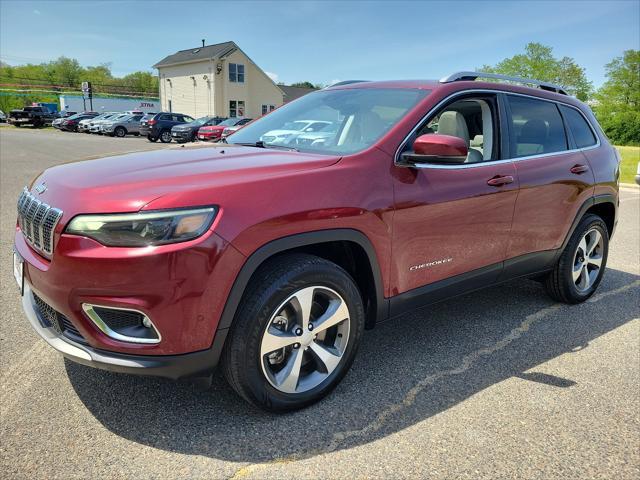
(271, 260)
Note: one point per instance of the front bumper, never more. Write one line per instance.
(181, 287)
(181, 135)
(209, 136)
(196, 364)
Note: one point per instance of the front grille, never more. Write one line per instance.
(51, 318)
(37, 220)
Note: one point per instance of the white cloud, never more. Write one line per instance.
(272, 76)
(335, 80)
(37, 12)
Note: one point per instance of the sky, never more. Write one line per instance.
(321, 41)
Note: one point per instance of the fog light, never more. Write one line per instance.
(146, 322)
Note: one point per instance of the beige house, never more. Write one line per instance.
(216, 80)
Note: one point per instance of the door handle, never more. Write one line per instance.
(579, 169)
(500, 180)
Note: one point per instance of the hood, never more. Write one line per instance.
(130, 182)
(213, 128)
(184, 127)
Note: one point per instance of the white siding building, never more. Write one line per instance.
(216, 80)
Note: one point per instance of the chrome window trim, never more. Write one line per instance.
(88, 309)
(396, 158)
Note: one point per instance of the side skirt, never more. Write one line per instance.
(523, 266)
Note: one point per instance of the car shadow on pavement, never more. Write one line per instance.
(407, 370)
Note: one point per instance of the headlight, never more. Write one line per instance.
(144, 228)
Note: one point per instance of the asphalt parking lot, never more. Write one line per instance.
(502, 383)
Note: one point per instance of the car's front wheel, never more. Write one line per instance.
(295, 334)
(120, 132)
(579, 270)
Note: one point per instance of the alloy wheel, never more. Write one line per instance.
(305, 339)
(588, 260)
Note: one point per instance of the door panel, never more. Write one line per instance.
(449, 221)
(549, 199)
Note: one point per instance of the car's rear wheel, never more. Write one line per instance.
(579, 270)
(120, 132)
(151, 138)
(165, 136)
(295, 334)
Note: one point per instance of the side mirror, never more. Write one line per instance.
(436, 148)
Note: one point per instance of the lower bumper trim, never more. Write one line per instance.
(195, 364)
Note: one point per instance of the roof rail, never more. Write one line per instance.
(346, 82)
(458, 76)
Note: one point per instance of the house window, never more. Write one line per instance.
(267, 108)
(236, 108)
(236, 73)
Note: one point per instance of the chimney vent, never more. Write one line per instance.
(203, 42)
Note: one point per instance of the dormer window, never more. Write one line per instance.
(236, 73)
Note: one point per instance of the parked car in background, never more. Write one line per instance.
(95, 126)
(290, 131)
(214, 132)
(318, 137)
(61, 117)
(84, 125)
(70, 124)
(3, 117)
(159, 126)
(188, 132)
(229, 130)
(123, 126)
(36, 116)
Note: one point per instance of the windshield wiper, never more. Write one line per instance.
(261, 144)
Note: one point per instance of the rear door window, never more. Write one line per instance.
(536, 127)
(580, 129)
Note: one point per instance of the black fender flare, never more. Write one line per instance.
(590, 202)
(283, 244)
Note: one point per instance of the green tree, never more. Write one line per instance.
(305, 84)
(617, 102)
(143, 82)
(537, 62)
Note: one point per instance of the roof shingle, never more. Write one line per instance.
(198, 54)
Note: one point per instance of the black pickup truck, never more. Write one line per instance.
(36, 116)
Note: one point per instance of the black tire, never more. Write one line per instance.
(270, 286)
(560, 284)
(165, 136)
(120, 132)
(152, 139)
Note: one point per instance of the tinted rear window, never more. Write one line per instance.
(536, 127)
(582, 133)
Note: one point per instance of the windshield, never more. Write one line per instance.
(201, 121)
(229, 122)
(351, 119)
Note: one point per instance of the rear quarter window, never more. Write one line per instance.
(580, 129)
(536, 127)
